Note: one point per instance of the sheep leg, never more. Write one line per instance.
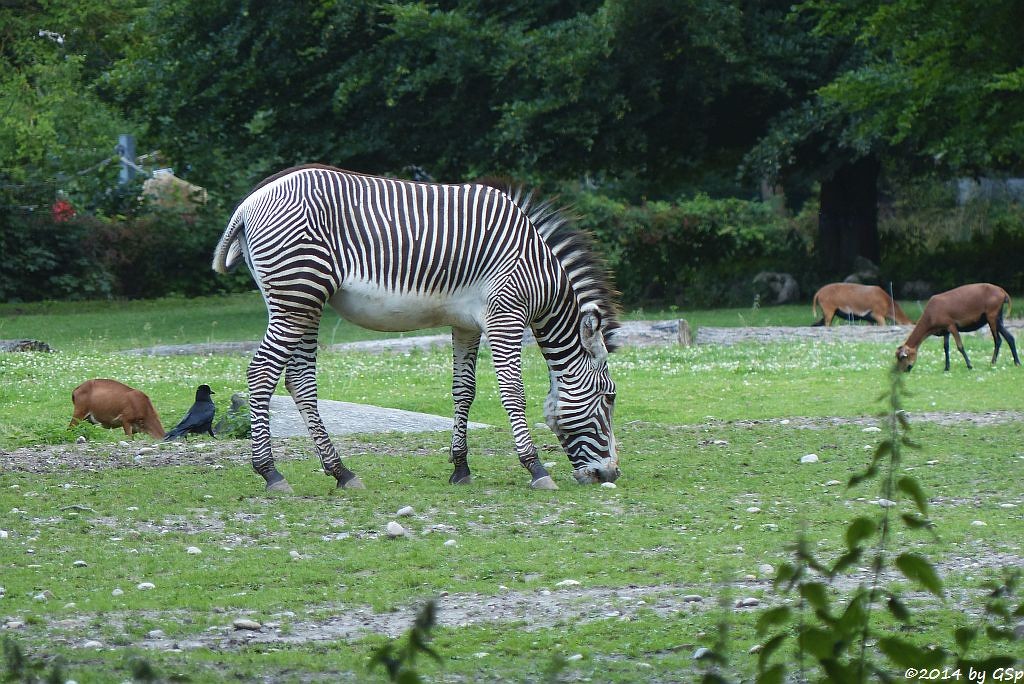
(959, 345)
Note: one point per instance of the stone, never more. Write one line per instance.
(246, 624)
(450, 542)
(117, 592)
(693, 598)
(608, 485)
(748, 602)
(405, 511)
(809, 458)
(568, 583)
(92, 643)
(702, 652)
(80, 564)
(193, 550)
(395, 530)
(776, 288)
(145, 586)
(753, 509)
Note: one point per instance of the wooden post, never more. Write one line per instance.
(685, 336)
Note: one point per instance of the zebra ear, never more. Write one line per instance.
(591, 336)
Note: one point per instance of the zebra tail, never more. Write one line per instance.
(229, 249)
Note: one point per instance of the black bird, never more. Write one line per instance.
(199, 418)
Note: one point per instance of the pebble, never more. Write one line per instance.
(405, 511)
(80, 564)
(295, 555)
(3, 591)
(756, 648)
(872, 428)
(42, 596)
(550, 464)
(395, 530)
(1007, 505)
(748, 602)
(608, 485)
(765, 569)
(931, 463)
(4, 534)
(753, 509)
(886, 503)
(568, 583)
(450, 542)
(193, 550)
(809, 458)
(14, 624)
(574, 657)
(979, 523)
(721, 442)
(145, 586)
(243, 623)
(155, 634)
(117, 592)
(144, 450)
(81, 439)
(92, 643)
(693, 598)
(481, 654)
(832, 483)
(701, 652)
(123, 443)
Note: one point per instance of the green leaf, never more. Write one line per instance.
(861, 477)
(898, 609)
(917, 569)
(768, 649)
(964, 636)
(771, 618)
(820, 643)
(905, 654)
(912, 488)
(846, 560)
(916, 522)
(816, 594)
(773, 675)
(859, 529)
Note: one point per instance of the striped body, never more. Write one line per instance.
(394, 255)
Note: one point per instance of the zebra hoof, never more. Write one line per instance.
(352, 483)
(464, 480)
(543, 483)
(280, 487)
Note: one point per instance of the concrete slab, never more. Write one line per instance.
(346, 418)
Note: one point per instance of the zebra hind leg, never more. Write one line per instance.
(465, 345)
(300, 381)
(262, 375)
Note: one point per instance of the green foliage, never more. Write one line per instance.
(701, 251)
(18, 667)
(400, 661)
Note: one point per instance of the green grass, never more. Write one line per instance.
(701, 441)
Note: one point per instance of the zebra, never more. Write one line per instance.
(396, 255)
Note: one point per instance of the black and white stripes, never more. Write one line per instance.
(396, 255)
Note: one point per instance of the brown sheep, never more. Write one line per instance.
(852, 300)
(962, 309)
(113, 404)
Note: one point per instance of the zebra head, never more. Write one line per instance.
(580, 405)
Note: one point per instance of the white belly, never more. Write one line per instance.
(371, 306)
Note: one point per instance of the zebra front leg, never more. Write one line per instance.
(507, 348)
(465, 345)
(300, 381)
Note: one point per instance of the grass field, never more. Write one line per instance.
(712, 492)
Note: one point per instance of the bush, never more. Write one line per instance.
(696, 252)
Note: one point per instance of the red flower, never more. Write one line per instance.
(62, 211)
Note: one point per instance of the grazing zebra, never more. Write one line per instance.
(395, 255)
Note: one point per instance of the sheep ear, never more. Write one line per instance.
(591, 336)
(901, 353)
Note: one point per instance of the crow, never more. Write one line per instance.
(199, 418)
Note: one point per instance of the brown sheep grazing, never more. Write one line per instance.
(854, 301)
(962, 309)
(113, 404)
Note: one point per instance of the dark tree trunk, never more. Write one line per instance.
(848, 217)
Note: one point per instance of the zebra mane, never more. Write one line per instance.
(574, 248)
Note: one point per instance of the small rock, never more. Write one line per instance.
(568, 583)
(155, 634)
(405, 511)
(784, 421)
(1007, 505)
(931, 463)
(70, 605)
(41, 596)
(145, 586)
(3, 591)
(979, 523)
(608, 485)
(693, 598)
(450, 542)
(481, 654)
(14, 624)
(809, 458)
(701, 653)
(123, 443)
(753, 509)
(92, 643)
(144, 450)
(395, 530)
(81, 439)
(574, 657)
(721, 442)
(295, 555)
(748, 602)
(80, 564)
(832, 483)
(756, 648)
(4, 534)
(193, 550)
(872, 428)
(765, 569)
(117, 592)
(886, 503)
(243, 623)
(550, 464)
(749, 578)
